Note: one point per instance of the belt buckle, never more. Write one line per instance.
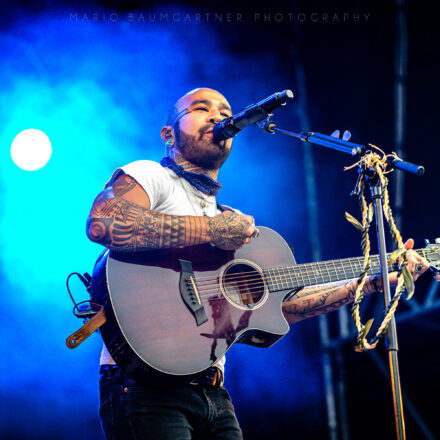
(212, 377)
(217, 378)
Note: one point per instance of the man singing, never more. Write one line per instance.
(147, 205)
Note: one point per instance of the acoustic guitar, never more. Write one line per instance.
(177, 311)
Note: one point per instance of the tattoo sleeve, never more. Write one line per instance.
(125, 226)
(316, 300)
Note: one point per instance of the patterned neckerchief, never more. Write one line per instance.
(202, 182)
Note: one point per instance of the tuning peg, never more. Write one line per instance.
(427, 242)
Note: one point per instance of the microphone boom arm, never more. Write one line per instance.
(340, 145)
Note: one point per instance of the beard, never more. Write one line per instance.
(202, 150)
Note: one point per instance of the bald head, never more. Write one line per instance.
(180, 107)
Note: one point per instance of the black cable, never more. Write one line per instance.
(92, 306)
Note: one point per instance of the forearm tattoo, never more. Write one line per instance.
(318, 300)
(127, 227)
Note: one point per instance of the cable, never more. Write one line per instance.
(91, 308)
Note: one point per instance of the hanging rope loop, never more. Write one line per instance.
(375, 164)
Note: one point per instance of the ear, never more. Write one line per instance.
(167, 133)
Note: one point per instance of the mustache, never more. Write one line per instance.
(204, 129)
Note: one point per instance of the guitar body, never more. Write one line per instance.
(177, 311)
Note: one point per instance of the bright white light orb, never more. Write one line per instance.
(31, 149)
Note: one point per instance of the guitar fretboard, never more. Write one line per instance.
(310, 274)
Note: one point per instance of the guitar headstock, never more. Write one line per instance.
(432, 254)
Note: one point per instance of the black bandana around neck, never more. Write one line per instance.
(202, 182)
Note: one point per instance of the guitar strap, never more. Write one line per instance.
(223, 207)
(87, 329)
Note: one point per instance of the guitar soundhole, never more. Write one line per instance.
(243, 285)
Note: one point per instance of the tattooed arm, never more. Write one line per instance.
(313, 301)
(121, 219)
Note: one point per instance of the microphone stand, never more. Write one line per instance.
(377, 196)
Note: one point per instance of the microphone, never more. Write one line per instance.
(252, 114)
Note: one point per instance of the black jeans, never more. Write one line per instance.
(131, 411)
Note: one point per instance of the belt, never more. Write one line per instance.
(212, 376)
(108, 371)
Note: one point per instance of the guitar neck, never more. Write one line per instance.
(310, 274)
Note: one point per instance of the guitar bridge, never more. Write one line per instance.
(189, 293)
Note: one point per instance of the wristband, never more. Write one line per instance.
(373, 282)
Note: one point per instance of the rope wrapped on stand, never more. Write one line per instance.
(375, 164)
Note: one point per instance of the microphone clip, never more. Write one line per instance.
(267, 125)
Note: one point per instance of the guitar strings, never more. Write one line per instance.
(210, 285)
(291, 271)
(253, 285)
(315, 267)
(218, 294)
(298, 268)
(248, 284)
(287, 272)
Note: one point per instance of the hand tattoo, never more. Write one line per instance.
(228, 230)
